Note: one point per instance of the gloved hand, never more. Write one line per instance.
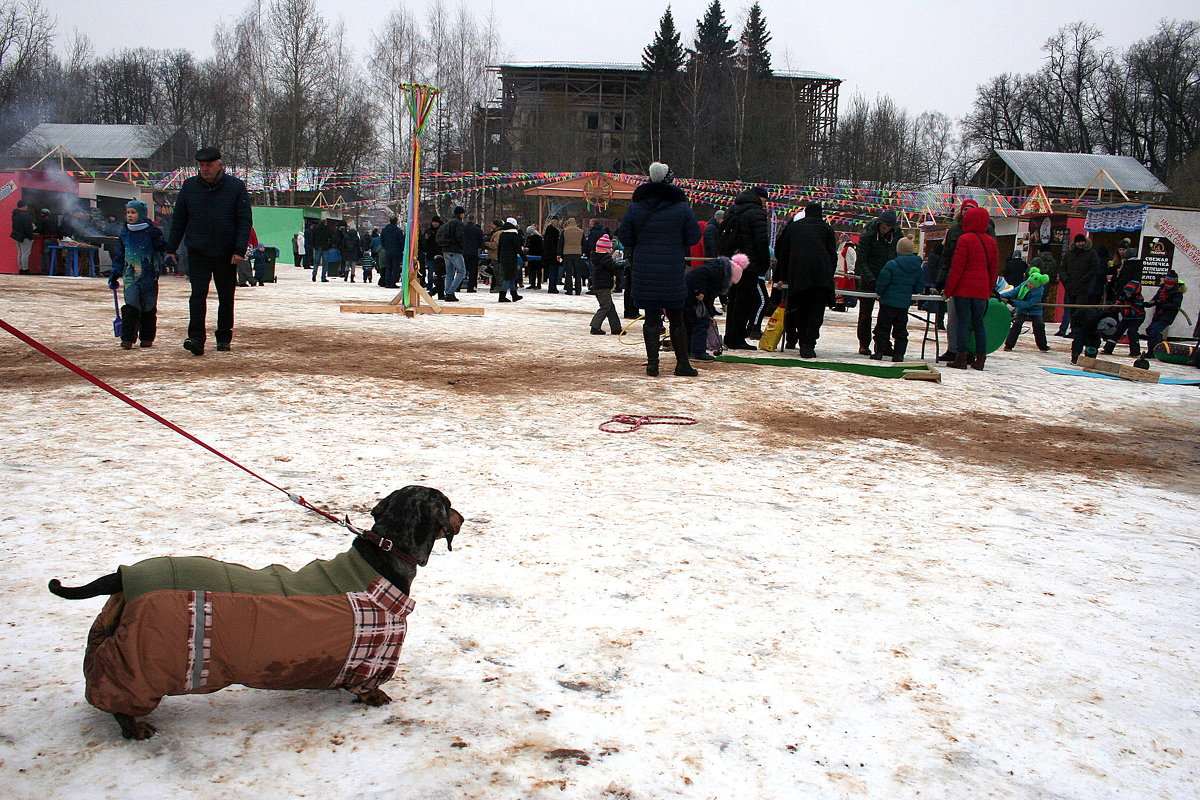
(113, 283)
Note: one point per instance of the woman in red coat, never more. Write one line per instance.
(970, 283)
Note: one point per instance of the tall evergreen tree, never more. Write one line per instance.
(713, 49)
(664, 55)
(662, 60)
(753, 55)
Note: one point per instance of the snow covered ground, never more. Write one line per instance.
(833, 586)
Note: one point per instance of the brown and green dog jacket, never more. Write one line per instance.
(194, 625)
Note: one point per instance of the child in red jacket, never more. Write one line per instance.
(972, 275)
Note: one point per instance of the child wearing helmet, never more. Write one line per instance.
(1026, 298)
(1094, 326)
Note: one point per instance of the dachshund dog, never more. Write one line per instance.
(194, 625)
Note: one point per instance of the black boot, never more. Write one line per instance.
(148, 327)
(679, 341)
(652, 333)
(130, 317)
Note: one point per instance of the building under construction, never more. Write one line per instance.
(588, 117)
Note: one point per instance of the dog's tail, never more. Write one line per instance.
(109, 584)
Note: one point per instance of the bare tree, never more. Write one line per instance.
(397, 56)
(26, 34)
(299, 47)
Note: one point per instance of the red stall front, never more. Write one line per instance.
(42, 189)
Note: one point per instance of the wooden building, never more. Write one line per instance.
(587, 117)
(1017, 173)
(103, 148)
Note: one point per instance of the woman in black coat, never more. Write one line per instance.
(657, 231)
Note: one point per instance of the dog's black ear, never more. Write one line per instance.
(454, 522)
(414, 518)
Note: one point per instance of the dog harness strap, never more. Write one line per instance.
(89, 377)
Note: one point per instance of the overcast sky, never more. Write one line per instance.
(928, 55)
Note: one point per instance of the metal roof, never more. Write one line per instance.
(638, 68)
(1079, 170)
(92, 141)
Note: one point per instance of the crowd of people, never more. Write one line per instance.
(669, 266)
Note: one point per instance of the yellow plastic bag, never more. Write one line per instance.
(773, 331)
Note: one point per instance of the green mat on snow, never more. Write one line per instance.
(871, 370)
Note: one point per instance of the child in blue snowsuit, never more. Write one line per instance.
(138, 260)
(1166, 304)
(1026, 298)
(1133, 313)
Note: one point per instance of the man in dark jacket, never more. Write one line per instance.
(876, 247)
(712, 232)
(22, 233)
(450, 239)
(430, 253)
(213, 218)
(749, 295)
(392, 239)
(656, 233)
(309, 230)
(322, 242)
(806, 254)
(1079, 268)
(351, 252)
(551, 245)
(472, 237)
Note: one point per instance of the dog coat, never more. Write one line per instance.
(194, 625)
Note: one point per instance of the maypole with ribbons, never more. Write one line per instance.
(421, 99)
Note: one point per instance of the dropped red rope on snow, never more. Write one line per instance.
(83, 373)
(633, 423)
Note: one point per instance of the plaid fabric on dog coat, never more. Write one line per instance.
(195, 625)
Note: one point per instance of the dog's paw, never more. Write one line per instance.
(374, 697)
(135, 729)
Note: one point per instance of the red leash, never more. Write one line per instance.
(635, 422)
(46, 351)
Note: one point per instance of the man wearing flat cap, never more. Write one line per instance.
(212, 215)
(876, 247)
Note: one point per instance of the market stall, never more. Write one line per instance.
(1165, 238)
(42, 189)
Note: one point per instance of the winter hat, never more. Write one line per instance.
(604, 244)
(659, 172)
(1038, 279)
(888, 218)
(1079, 237)
(512, 221)
(436, 219)
(762, 192)
(905, 247)
(459, 210)
(814, 210)
(140, 208)
(969, 203)
(1172, 278)
(531, 230)
(208, 154)
(740, 262)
